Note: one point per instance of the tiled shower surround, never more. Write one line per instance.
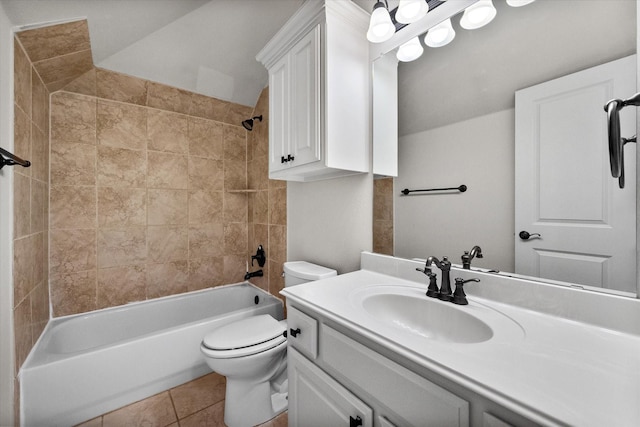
(152, 190)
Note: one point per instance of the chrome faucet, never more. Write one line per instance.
(468, 256)
(445, 267)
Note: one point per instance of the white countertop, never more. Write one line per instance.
(547, 368)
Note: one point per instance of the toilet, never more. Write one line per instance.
(252, 354)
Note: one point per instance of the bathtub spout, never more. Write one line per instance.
(249, 275)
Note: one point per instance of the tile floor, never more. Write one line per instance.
(198, 403)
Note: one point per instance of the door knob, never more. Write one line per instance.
(525, 235)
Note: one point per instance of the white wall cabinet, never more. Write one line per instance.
(319, 93)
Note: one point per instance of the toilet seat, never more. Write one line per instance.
(245, 337)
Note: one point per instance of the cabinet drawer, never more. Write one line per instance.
(413, 400)
(303, 332)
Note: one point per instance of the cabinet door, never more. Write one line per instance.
(305, 112)
(279, 114)
(317, 400)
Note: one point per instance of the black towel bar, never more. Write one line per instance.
(461, 189)
(11, 159)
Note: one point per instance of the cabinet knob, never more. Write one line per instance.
(283, 160)
(355, 422)
(290, 158)
(294, 332)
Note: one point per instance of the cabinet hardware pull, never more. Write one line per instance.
(283, 160)
(355, 422)
(294, 332)
(290, 158)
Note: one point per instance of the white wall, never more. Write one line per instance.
(6, 223)
(330, 222)
(478, 153)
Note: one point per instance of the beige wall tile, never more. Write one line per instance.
(235, 267)
(206, 173)
(23, 340)
(154, 411)
(38, 197)
(73, 164)
(237, 113)
(258, 174)
(167, 131)
(64, 68)
(235, 207)
(73, 118)
(21, 205)
(235, 239)
(198, 394)
(278, 242)
(278, 206)
(39, 309)
(383, 199)
(119, 167)
(205, 206)
(72, 250)
(166, 170)
(206, 241)
(84, 84)
(167, 207)
(206, 138)
(56, 40)
(22, 137)
(261, 207)
(205, 272)
(167, 243)
(72, 207)
(120, 285)
(119, 247)
(235, 143)
(383, 236)
(209, 108)
(167, 279)
(235, 175)
(121, 87)
(73, 293)
(22, 78)
(168, 98)
(39, 155)
(39, 101)
(24, 259)
(121, 125)
(122, 207)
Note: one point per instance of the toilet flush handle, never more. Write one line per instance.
(294, 332)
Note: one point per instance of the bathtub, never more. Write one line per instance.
(89, 364)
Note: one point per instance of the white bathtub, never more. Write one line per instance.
(85, 365)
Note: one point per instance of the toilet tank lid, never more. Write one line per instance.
(307, 270)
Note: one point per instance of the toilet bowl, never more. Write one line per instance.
(251, 354)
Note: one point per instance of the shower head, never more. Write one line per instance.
(248, 124)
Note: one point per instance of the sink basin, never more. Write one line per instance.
(411, 311)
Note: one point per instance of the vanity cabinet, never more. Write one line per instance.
(350, 383)
(319, 84)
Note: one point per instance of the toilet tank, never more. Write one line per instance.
(297, 272)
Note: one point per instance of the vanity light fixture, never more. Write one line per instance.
(440, 35)
(411, 10)
(410, 51)
(478, 15)
(381, 28)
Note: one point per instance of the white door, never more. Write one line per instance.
(564, 188)
(279, 114)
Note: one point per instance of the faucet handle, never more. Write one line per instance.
(459, 297)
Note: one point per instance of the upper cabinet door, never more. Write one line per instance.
(279, 114)
(305, 99)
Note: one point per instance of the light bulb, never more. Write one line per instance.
(411, 10)
(478, 15)
(380, 26)
(410, 51)
(440, 35)
(518, 3)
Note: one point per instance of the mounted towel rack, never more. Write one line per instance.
(461, 189)
(11, 159)
(616, 142)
